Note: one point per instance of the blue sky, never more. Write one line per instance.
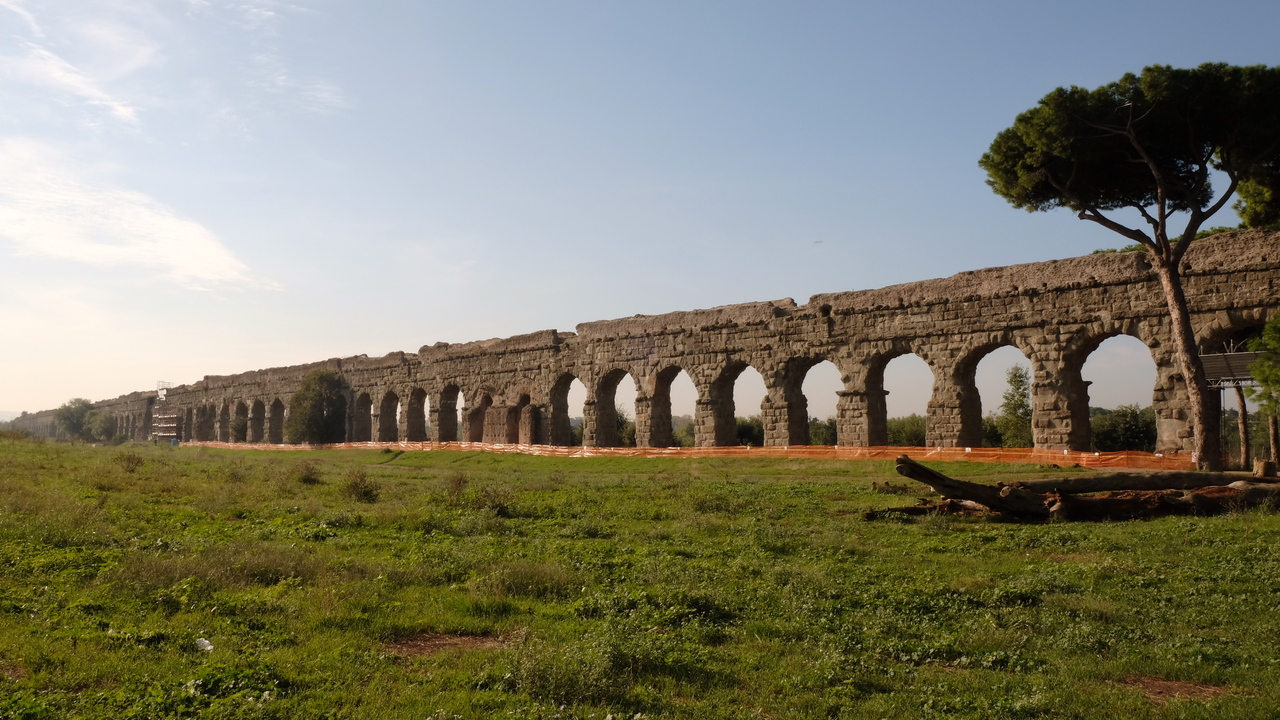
(193, 187)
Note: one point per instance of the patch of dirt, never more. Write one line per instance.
(1161, 691)
(13, 671)
(429, 644)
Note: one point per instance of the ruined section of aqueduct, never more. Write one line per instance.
(515, 389)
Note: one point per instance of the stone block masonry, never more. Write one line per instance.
(1056, 313)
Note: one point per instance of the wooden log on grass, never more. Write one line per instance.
(1114, 482)
(1017, 502)
(1129, 496)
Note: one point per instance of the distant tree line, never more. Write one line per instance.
(77, 419)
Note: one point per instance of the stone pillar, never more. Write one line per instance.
(862, 418)
(1059, 406)
(495, 423)
(560, 430)
(599, 424)
(775, 416)
(1172, 407)
(851, 418)
(406, 427)
(724, 426)
(529, 422)
(442, 422)
(464, 429)
(704, 423)
(644, 422)
(785, 410)
(944, 414)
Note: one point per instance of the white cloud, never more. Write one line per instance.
(317, 96)
(43, 68)
(47, 210)
(21, 11)
(114, 49)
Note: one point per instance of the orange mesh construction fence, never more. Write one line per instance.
(1133, 460)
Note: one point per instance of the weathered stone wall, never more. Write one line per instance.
(515, 389)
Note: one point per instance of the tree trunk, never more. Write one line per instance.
(1243, 424)
(1206, 448)
(1273, 434)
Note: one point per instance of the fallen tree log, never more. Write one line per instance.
(1133, 504)
(1006, 499)
(1131, 495)
(1126, 481)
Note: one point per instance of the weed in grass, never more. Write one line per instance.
(129, 461)
(480, 522)
(305, 472)
(528, 579)
(456, 485)
(235, 471)
(360, 488)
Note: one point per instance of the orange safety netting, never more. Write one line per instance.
(1128, 459)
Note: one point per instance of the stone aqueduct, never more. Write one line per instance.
(515, 389)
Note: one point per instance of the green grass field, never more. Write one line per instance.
(363, 584)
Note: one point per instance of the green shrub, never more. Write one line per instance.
(907, 431)
(239, 429)
(684, 435)
(1128, 427)
(750, 431)
(305, 472)
(318, 410)
(822, 432)
(129, 461)
(455, 485)
(360, 488)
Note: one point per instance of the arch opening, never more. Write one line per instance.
(1115, 404)
(522, 422)
(240, 423)
(615, 402)
(257, 421)
(813, 419)
(275, 423)
(898, 401)
(739, 389)
(672, 409)
(998, 386)
(224, 423)
(415, 426)
(362, 419)
(568, 398)
(448, 414)
(389, 417)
